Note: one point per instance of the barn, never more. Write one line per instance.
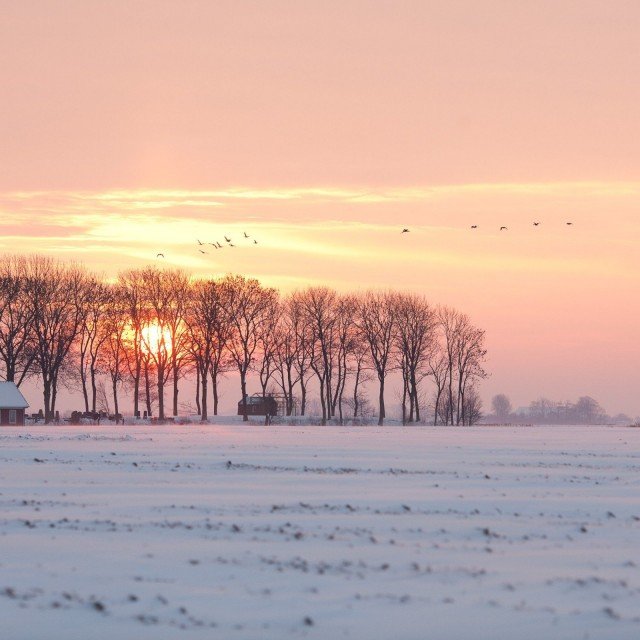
(12, 405)
(259, 406)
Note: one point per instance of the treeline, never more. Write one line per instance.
(586, 410)
(151, 328)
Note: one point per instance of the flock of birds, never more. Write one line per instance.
(475, 226)
(216, 245)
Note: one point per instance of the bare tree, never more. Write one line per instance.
(92, 336)
(362, 373)
(113, 353)
(155, 334)
(286, 354)
(268, 344)
(416, 337)
(345, 341)
(131, 290)
(377, 321)
(472, 406)
(208, 326)
(302, 335)
(501, 406)
(319, 308)
(58, 297)
(470, 357)
(449, 321)
(16, 320)
(438, 369)
(177, 282)
(249, 304)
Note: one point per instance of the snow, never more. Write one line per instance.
(11, 397)
(246, 531)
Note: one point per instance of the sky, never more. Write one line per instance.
(321, 129)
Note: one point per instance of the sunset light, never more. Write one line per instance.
(319, 319)
(154, 339)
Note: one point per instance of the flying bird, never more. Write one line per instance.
(569, 223)
(160, 255)
(201, 251)
(405, 231)
(504, 229)
(535, 224)
(231, 245)
(255, 242)
(200, 243)
(474, 226)
(227, 239)
(219, 246)
(245, 235)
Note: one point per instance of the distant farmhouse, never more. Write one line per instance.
(259, 406)
(12, 405)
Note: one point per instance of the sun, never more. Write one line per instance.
(154, 338)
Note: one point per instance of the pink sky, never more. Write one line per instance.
(322, 128)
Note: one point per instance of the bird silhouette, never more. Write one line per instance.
(255, 242)
(245, 235)
(219, 246)
(504, 229)
(160, 255)
(200, 243)
(405, 231)
(231, 245)
(569, 223)
(474, 226)
(227, 239)
(201, 251)
(535, 224)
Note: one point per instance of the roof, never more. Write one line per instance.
(257, 399)
(10, 397)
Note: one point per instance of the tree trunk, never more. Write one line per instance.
(47, 401)
(114, 387)
(323, 403)
(414, 393)
(382, 415)
(147, 388)
(214, 386)
(136, 397)
(437, 407)
(303, 397)
(356, 384)
(198, 408)
(85, 392)
(203, 415)
(175, 390)
(404, 401)
(160, 393)
(94, 388)
(243, 388)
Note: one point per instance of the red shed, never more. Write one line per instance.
(12, 405)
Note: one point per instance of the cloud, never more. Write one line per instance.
(320, 232)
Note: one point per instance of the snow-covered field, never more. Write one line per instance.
(319, 532)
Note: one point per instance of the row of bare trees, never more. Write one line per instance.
(151, 328)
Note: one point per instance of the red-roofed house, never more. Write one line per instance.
(12, 405)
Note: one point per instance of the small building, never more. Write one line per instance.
(12, 405)
(259, 406)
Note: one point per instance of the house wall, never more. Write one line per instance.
(4, 418)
